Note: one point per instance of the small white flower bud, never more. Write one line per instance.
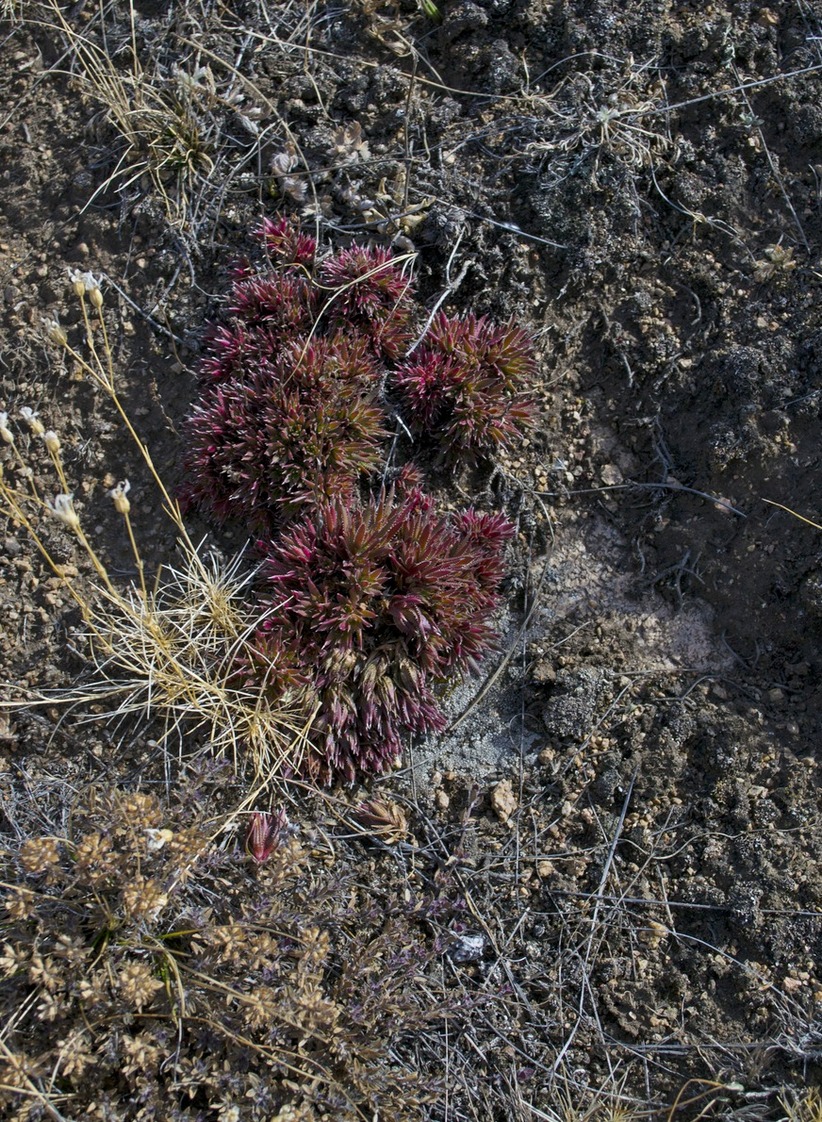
(62, 507)
(32, 420)
(52, 441)
(6, 435)
(118, 494)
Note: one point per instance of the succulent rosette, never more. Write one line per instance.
(381, 602)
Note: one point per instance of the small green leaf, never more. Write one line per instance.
(431, 10)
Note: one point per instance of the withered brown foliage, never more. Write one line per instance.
(153, 971)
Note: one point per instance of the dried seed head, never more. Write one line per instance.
(78, 282)
(39, 855)
(51, 441)
(96, 297)
(6, 434)
(118, 494)
(156, 839)
(20, 904)
(137, 984)
(32, 420)
(62, 507)
(384, 819)
(143, 899)
(55, 332)
(12, 959)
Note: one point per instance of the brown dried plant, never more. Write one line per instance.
(147, 971)
(163, 122)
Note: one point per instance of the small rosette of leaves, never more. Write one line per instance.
(465, 385)
(266, 314)
(369, 293)
(287, 245)
(298, 429)
(381, 602)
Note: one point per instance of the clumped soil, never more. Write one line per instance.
(631, 795)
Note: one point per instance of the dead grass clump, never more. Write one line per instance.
(805, 1106)
(166, 122)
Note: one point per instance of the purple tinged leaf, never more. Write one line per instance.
(264, 833)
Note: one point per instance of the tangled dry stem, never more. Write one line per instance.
(165, 648)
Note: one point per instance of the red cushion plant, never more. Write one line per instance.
(384, 600)
(464, 385)
(372, 602)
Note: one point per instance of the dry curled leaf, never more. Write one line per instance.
(384, 819)
(349, 144)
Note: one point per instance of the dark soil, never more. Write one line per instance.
(634, 805)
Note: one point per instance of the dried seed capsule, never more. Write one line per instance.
(118, 494)
(32, 420)
(55, 332)
(62, 507)
(51, 441)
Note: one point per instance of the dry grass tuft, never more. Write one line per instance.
(168, 647)
(803, 1107)
(166, 126)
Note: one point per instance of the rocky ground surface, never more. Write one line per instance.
(631, 795)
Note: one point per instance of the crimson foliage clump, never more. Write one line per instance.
(372, 603)
(385, 601)
(296, 426)
(464, 384)
(370, 295)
